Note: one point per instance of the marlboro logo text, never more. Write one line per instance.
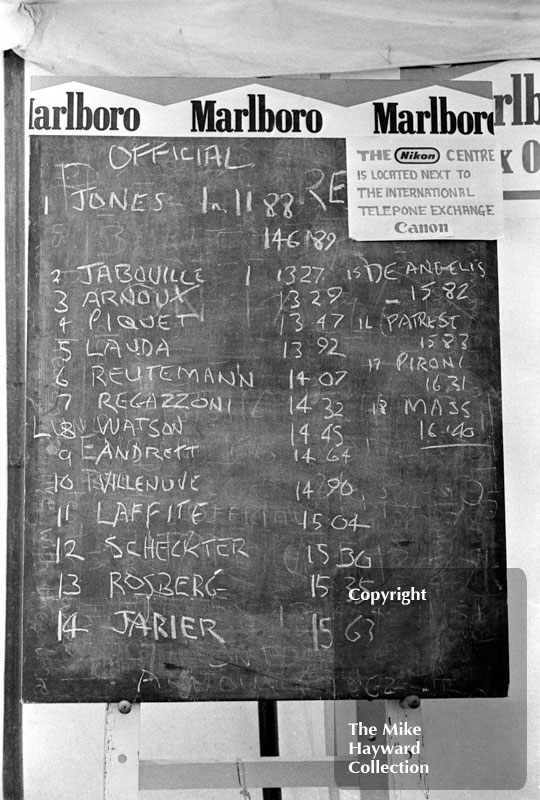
(256, 118)
(75, 115)
(390, 118)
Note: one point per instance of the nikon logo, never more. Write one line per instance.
(389, 118)
(256, 118)
(417, 155)
(76, 116)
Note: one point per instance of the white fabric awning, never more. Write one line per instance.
(274, 37)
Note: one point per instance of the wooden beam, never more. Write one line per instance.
(270, 772)
(15, 273)
(122, 734)
(406, 786)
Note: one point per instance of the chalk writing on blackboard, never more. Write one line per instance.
(237, 415)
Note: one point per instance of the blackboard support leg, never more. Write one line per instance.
(269, 739)
(415, 785)
(121, 768)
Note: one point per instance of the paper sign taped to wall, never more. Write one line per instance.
(450, 190)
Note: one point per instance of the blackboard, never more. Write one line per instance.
(235, 415)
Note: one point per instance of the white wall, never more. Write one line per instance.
(63, 745)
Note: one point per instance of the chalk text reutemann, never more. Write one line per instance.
(207, 117)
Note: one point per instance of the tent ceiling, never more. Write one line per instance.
(244, 38)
